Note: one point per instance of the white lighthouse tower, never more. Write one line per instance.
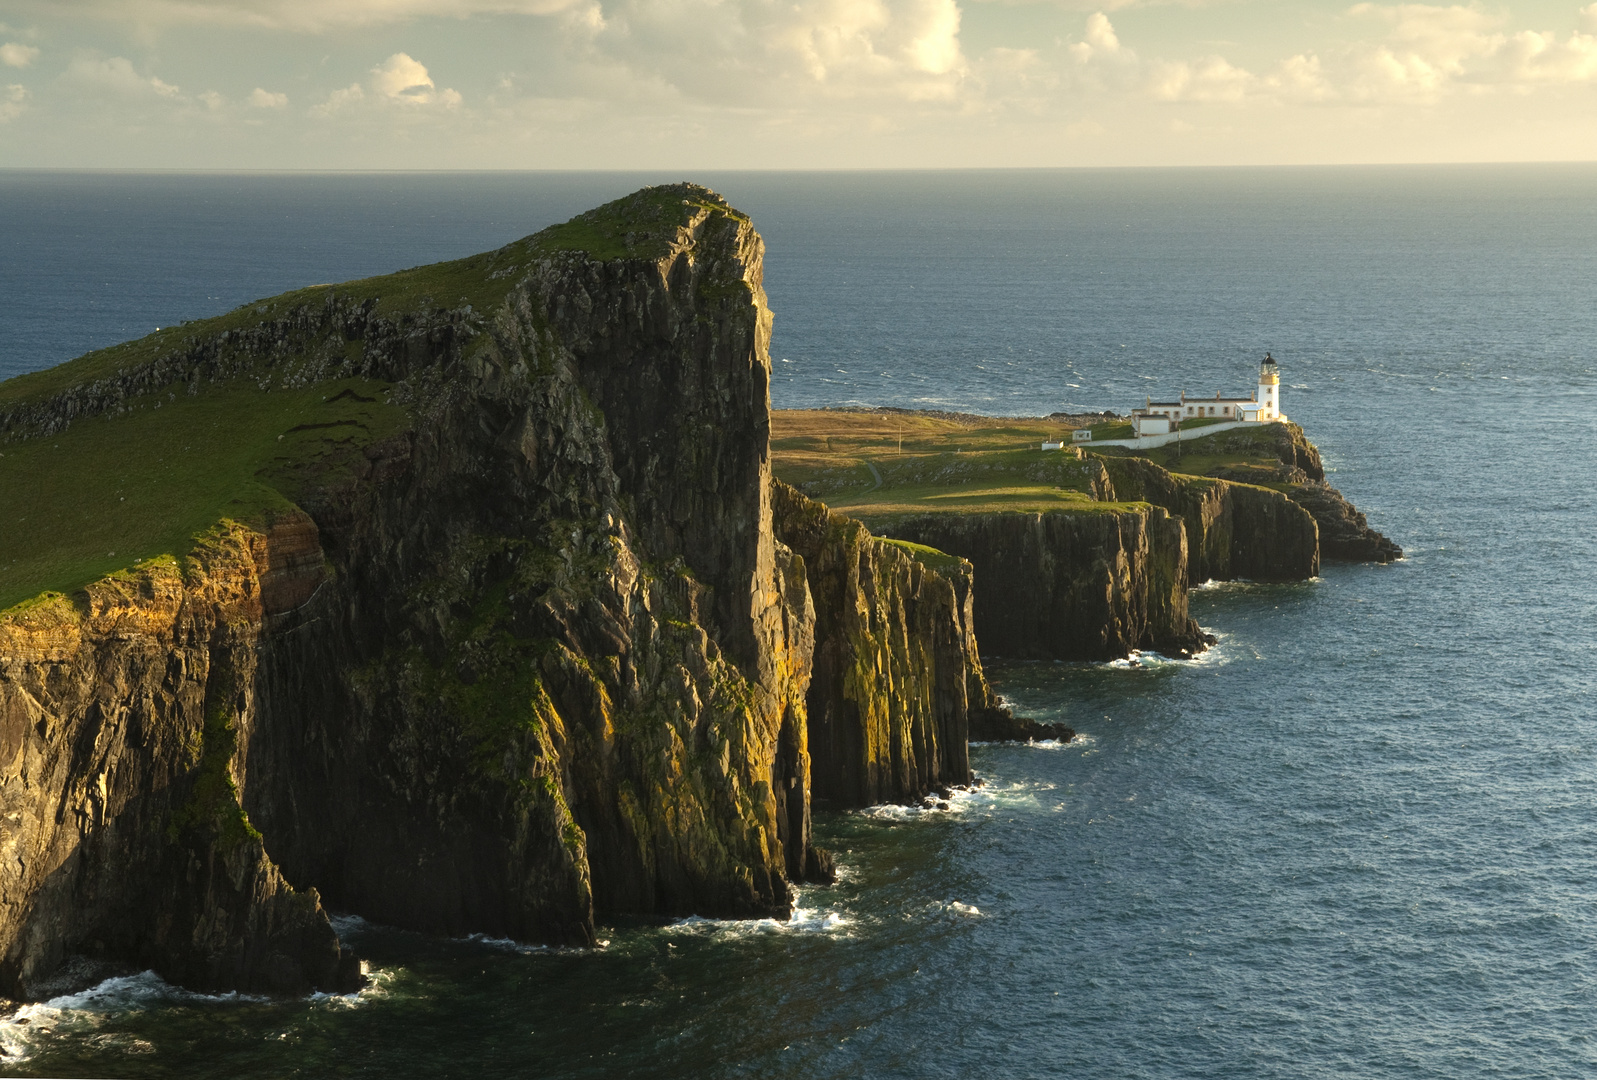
(1270, 390)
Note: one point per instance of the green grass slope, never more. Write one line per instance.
(112, 491)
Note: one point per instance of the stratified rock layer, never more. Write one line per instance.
(1233, 530)
(1076, 585)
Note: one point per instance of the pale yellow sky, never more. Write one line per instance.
(445, 84)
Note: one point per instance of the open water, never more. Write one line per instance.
(1357, 838)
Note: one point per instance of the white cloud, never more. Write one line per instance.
(339, 100)
(1418, 54)
(266, 99)
(12, 102)
(18, 56)
(400, 80)
(116, 75)
(1210, 79)
(1100, 39)
(1301, 78)
(1427, 51)
(759, 53)
(213, 101)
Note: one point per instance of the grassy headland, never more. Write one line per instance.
(875, 464)
(143, 474)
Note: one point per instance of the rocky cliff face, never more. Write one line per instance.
(123, 723)
(1233, 530)
(1345, 535)
(1072, 585)
(896, 671)
(539, 655)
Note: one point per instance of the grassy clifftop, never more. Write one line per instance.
(879, 464)
(110, 492)
(129, 452)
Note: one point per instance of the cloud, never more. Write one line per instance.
(339, 100)
(1427, 50)
(753, 53)
(400, 80)
(265, 99)
(1100, 40)
(1417, 54)
(116, 76)
(306, 16)
(1211, 79)
(17, 56)
(13, 101)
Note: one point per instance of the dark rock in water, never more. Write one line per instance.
(1001, 725)
(1345, 535)
(820, 866)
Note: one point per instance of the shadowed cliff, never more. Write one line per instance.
(509, 643)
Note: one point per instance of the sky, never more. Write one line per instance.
(790, 84)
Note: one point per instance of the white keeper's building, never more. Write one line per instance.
(1162, 417)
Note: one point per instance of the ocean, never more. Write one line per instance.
(1357, 837)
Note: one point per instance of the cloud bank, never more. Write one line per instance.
(841, 76)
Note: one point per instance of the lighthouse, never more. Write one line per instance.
(1269, 390)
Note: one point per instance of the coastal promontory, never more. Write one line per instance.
(471, 600)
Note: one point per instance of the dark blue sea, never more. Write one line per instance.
(1357, 838)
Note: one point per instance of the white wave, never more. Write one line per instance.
(512, 945)
(804, 921)
(985, 799)
(378, 983)
(1139, 659)
(88, 1009)
(1060, 744)
(956, 801)
(1078, 742)
(348, 924)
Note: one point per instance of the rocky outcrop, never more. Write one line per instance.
(1069, 584)
(1345, 535)
(537, 656)
(896, 671)
(1297, 459)
(1233, 530)
(1002, 725)
(124, 718)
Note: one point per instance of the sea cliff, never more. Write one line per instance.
(534, 652)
